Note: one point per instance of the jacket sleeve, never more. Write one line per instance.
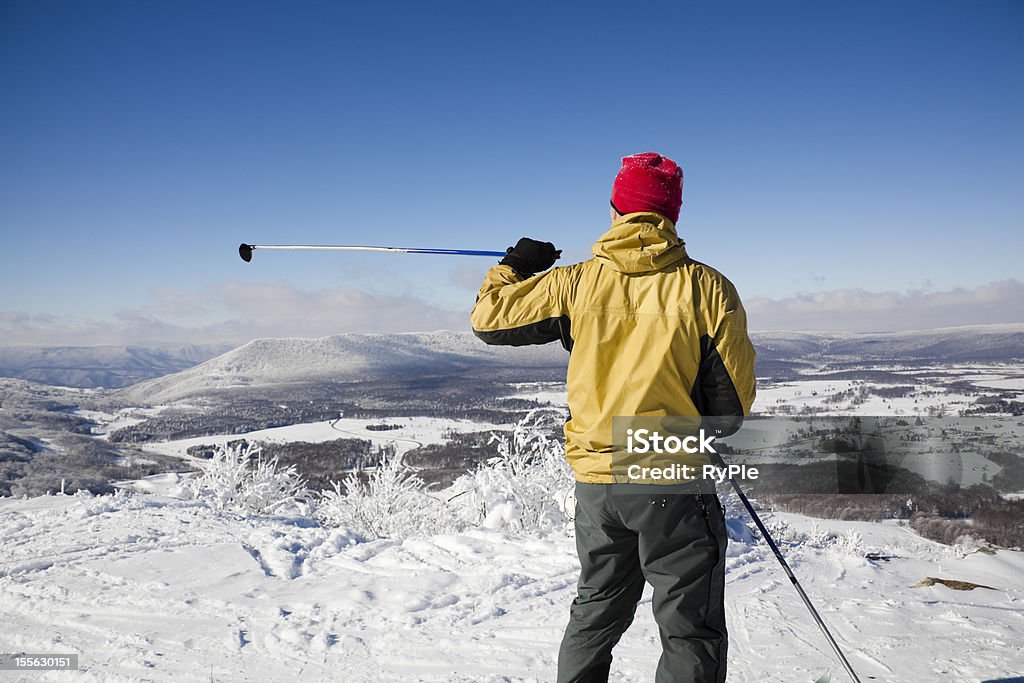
(514, 312)
(725, 384)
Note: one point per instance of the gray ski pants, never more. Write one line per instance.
(674, 541)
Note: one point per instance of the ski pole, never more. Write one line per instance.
(792, 577)
(245, 250)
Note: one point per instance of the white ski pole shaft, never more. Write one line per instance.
(245, 250)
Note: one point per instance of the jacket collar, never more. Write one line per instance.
(640, 243)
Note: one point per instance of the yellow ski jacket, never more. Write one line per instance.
(650, 332)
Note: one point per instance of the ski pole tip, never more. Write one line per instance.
(245, 251)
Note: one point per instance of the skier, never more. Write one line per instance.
(650, 332)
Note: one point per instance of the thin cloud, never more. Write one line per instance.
(235, 312)
(253, 311)
(858, 310)
(468, 276)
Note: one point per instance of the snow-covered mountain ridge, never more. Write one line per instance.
(349, 354)
(1001, 343)
(353, 357)
(345, 357)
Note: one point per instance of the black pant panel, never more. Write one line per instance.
(677, 543)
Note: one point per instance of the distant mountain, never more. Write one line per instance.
(974, 343)
(345, 357)
(171, 372)
(100, 366)
(789, 346)
(354, 357)
(977, 343)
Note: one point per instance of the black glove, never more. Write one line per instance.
(529, 257)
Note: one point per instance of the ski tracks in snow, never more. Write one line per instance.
(158, 589)
(888, 630)
(150, 588)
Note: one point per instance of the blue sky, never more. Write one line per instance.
(839, 157)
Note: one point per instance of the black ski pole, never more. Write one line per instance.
(792, 577)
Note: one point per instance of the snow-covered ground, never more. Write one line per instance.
(553, 393)
(824, 397)
(411, 432)
(150, 587)
(999, 382)
(108, 423)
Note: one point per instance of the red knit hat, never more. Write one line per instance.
(648, 182)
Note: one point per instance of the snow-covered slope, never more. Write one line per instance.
(343, 357)
(150, 588)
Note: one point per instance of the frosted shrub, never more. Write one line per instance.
(817, 537)
(527, 486)
(392, 503)
(786, 535)
(850, 543)
(237, 478)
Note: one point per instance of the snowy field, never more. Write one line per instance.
(108, 423)
(149, 587)
(930, 391)
(790, 398)
(412, 432)
(552, 393)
